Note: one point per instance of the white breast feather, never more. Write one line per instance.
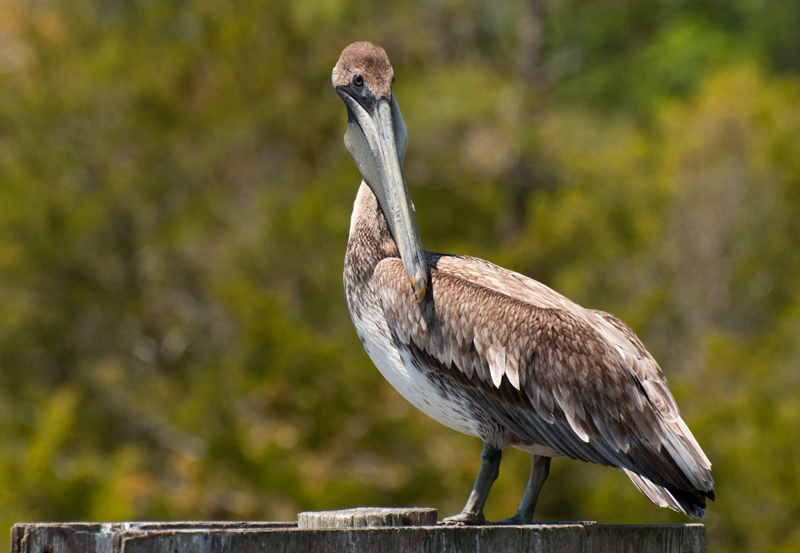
(396, 366)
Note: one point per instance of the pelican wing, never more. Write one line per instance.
(551, 372)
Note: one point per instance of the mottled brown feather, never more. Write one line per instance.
(574, 380)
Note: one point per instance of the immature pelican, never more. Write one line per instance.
(493, 353)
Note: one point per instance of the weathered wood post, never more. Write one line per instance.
(355, 530)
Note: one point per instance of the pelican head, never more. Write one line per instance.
(376, 139)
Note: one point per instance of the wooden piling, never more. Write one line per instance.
(401, 536)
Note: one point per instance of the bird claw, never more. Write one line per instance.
(465, 518)
(516, 520)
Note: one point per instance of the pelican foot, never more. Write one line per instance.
(465, 519)
(516, 520)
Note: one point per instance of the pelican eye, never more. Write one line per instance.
(358, 80)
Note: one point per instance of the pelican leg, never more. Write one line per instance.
(490, 468)
(540, 469)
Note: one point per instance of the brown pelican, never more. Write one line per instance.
(493, 353)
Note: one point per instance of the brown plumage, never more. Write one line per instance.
(498, 355)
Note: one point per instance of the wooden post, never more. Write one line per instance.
(251, 537)
(367, 517)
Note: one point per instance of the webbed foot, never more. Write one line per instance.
(464, 518)
(517, 520)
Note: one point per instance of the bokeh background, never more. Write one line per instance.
(174, 208)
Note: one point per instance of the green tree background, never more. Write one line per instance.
(174, 208)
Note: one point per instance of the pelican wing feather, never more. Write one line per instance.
(575, 380)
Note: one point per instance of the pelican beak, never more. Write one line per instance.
(376, 139)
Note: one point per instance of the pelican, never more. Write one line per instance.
(490, 352)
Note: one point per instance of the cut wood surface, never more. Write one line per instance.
(368, 517)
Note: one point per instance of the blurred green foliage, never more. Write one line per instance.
(174, 208)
